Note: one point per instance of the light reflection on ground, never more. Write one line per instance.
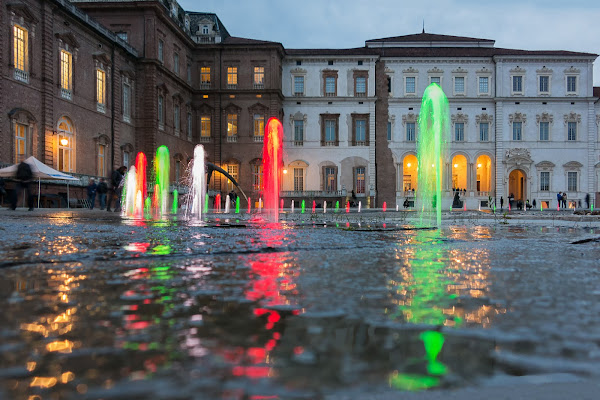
(282, 310)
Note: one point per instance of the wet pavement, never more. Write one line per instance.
(100, 307)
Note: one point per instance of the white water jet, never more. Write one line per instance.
(359, 205)
(197, 194)
(292, 206)
(130, 192)
(227, 204)
(324, 207)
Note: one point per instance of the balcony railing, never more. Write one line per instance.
(21, 75)
(101, 107)
(259, 86)
(66, 94)
(205, 85)
(361, 94)
(329, 94)
(258, 138)
(232, 139)
(232, 86)
(312, 193)
(298, 94)
(329, 143)
(204, 139)
(298, 143)
(360, 143)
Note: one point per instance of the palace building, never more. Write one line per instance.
(87, 84)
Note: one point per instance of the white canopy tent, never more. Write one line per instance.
(40, 171)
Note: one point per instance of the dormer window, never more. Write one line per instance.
(205, 29)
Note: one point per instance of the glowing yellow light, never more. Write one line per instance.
(205, 96)
(64, 141)
(31, 366)
(285, 171)
(478, 165)
(43, 382)
(433, 165)
(61, 346)
(455, 165)
(408, 165)
(67, 377)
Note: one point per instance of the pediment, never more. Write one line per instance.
(573, 165)
(101, 57)
(69, 39)
(22, 10)
(545, 164)
(258, 108)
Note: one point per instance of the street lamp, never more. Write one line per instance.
(64, 141)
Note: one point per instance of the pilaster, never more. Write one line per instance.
(499, 189)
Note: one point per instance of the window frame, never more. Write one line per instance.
(459, 132)
(576, 181)
(66, 74)
(298, 140)
(547, 124)
(481, 132)
(514, 78)
(407, 129)
(575, 78)
(363, 76)
(357, 180)
(101, 90)
(574, 125)
(20, 57)
(232, 77)
(549, 84)
(161, 51)
(517, 135)
(330, 171)
(335, 120)
(205, 127)
(294, 86)
(488, 83)
(205, 77)
(414, 79)
(258, 77)
(464, 85)
(541, 187)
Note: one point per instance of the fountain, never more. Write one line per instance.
(227, 204)
(272, 160)
(197, 194)
(135, 193)
(161, 171)
(431, 152)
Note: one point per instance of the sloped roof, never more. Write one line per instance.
(332, 52)
(428, 37)
(196, 17)
(240, 40)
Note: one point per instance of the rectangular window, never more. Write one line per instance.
(361, 86)
(544, 181)
(205, 126)
(259, 125)
(298, 179)
(232, 169)
(66, 74)
(517, 130)
(176, 119)
(205, 77)
(484, 84)
(484, 132)
(410, 84)
(126, 159)
(389, 84)
(21, 53)
(459, 132)
(298, 85)
(410, 131)
(571, 130)
(360, 132)
(20, 142)
(257, 177)
(259, 77)
(389, 130)
(232, 125)
(101, 89)
(232, 77)
(330, 86)
(544, 84)
(161, 46)
(459, 85)
(298, 132)
(330, 132)
(544, 130)
(571, 181)
(126, 102)
(571, 84)
(64, 152)
(330, 179)
(360, 180)
(517, 84)
(101, 160)
(176, 63)
(189, 73)
(436, 79)
(189, 126)
(161, 112)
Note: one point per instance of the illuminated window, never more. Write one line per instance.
(101, 90)
(259, 125)
(232, 125)
(204, 127)
(205, 77)
(232, 169)
(20, 142)
(232, 77)
(330, 175)
(66, 74)
(257, 177)
(359, 173)
(259, 77)
(101, 160)
(21, 53)
(65, 145)
(298, 179)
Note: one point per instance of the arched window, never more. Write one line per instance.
(65, 145)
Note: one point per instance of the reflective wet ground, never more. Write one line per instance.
(103, 308)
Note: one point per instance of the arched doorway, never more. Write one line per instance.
(409, 180)
(65, 145)
(459, 172)
(517, 185)
(484, 174)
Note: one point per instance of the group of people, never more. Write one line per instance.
(117, 181)
(562, 199)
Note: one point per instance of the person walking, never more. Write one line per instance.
(587, 200)
(24, 176)
(501, 202)
(91, 192)
(116, 188)
(564, 199)
(102, 190)
(559, 198)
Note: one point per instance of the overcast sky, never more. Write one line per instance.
(527, 24)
